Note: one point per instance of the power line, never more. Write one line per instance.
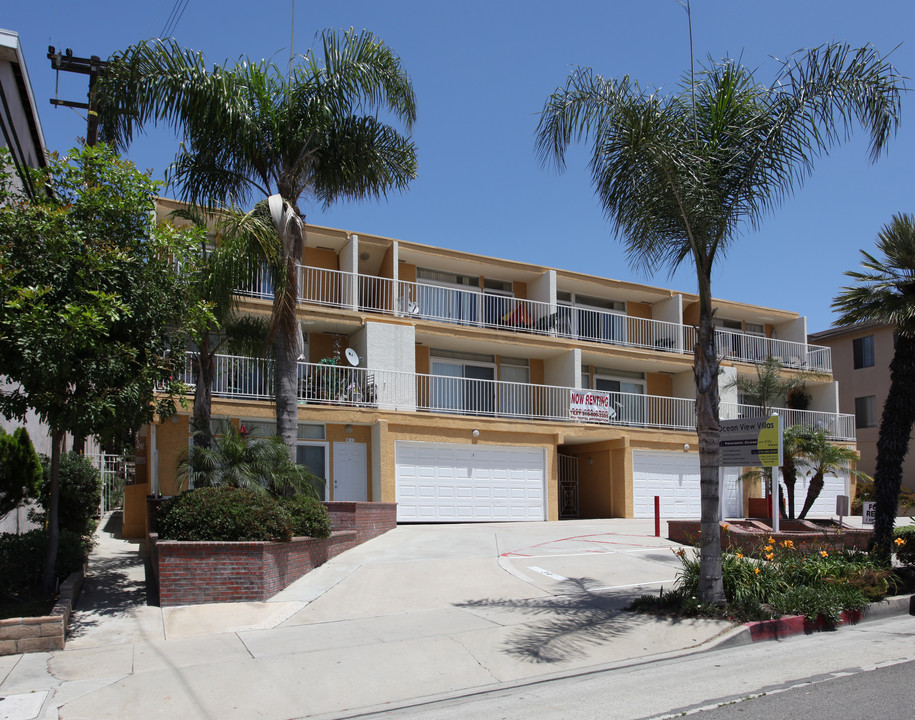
(174, 18)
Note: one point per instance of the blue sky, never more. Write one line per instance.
(482, 71)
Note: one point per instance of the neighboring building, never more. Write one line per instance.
(861, 364)
(485, 390)
(20, 132)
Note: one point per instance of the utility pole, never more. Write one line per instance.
(93, 67)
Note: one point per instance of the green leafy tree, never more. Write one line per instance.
(220, 266)
(884, 292)
(822, 458)
(235, 460)
(20, 470)
(681, 175)
(89, 296)
(249, 131)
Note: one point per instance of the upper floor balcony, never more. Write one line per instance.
(322, 384)
(478, 307)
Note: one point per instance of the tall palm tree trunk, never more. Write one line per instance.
(789, 477)
(708, 428)
(205, 369)
(893, 443)
(287, 400)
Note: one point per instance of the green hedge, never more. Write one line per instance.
(309, 516)
(22, 558)
(904, 544)
(80, 494)
(224, 514)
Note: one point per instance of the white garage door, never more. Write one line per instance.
(825, 504)
(451, 482)
(674, 477)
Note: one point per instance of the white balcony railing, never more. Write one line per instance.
(252, 379)
(367, 293)
(743, 347)
(838, 426)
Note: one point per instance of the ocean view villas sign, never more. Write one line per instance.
(591, 406)
(751, 442)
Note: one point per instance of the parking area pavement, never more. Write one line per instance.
(423, 611)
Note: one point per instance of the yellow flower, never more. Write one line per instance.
(740, 556)
(770, 541)
(900, 541)
(756, 570)
(725, 526)
(787, 543)
(768, 548)
(680, 553)
(770, 556)
(823, 553)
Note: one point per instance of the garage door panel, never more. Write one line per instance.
(471, 483)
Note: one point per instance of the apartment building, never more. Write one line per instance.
(468, 388)
(862, 355)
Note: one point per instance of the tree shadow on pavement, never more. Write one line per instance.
(571, 622)
(115, 583)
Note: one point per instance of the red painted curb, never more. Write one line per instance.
(775, 629)
(794, 625)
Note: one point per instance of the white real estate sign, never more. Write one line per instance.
(754, 442)
(868, 511)
(590, 405)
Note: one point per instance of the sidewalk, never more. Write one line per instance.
(420, 612)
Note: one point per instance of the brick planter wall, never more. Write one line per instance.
(42, 634)
(367, 519)
(747, 535)
(191, 573)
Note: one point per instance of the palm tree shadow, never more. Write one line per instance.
(571, 622)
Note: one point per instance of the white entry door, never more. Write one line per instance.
(349, 472)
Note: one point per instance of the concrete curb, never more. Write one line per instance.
(795, 625)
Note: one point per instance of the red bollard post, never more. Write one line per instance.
(657, 516)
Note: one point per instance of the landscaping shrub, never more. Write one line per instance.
(309, 516)
(224, 514)
(80, 494)
(22, 558)
(779, 579)
(904, 544)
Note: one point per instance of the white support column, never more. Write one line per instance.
(349, 263)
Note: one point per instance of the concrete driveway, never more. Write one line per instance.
(421, 612)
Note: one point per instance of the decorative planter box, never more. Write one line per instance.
(46, 633)
(749, 535)
(191, 573)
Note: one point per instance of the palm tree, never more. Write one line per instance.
(766, 390)
(793, 438)
(218, 269)
(235, 460)
(822, 457)
(681, 175)
(251, 132)
(885, 293)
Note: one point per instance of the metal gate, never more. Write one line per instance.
(110, 469)
(568, 486)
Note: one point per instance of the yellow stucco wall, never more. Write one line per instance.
(321, 258)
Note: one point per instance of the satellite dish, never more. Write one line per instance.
(352, 357)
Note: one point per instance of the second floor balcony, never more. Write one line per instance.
(335, 385)
(479, 308)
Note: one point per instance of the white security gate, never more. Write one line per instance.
(452, 482)
(674, 477)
